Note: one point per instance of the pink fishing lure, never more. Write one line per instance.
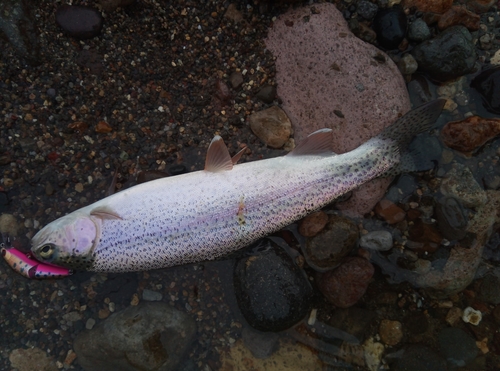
(24, 264)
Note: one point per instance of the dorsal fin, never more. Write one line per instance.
(237, 156)
(317, 143)
(218, 157)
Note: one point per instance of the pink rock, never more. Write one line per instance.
(327, 77)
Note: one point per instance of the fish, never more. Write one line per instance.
(207, 214)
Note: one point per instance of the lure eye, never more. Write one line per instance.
(46, 251)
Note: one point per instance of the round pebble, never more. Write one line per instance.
(376, 240)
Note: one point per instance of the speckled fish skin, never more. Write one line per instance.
(204, 215)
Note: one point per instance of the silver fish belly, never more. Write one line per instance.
(207, 214)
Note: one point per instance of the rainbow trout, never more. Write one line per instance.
(206, 214)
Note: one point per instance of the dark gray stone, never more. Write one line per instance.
(367, 9)
(449, 55)
(418, 358)
(490, 289)
(419, 31)
(147, 337)
(457, 346)
(80, 22)
(17, 27)
(272, 292)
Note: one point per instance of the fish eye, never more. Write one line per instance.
(46, 251)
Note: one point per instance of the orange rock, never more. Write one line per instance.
(458, 15)
(434, 6)
(312, 224)
(103, 127)
(390, 211)
(470, 134)
(79, 126)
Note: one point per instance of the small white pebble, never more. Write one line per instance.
(472, 316)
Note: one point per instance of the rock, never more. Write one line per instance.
(451, 218)
(376, 240)
(346, 284)
(390, 24)
(448, 55)
(419, 357)
(327, 77)
(9, 225)
(407, 64)
(367, 9)
(261, 344)
(456, 346)
(470, 134)
(236, 80)
(149, 336)
(453, 316)
(150, 295)
(17, 27)
(31, 359)
(327, 249)
(480, 6)
(459, 15)
(432, 6)
(291, 356)
(389, 211)
(103, 127)
(222, 92)
(272, 126)
(233, 14)
(272, 292)
(459, 182)
(487, 84)
(489, 291)
(112, 5)
(419, 30)
(78, 21)
(424, 238)
(313, 223)
(267, 94)
(391, 332)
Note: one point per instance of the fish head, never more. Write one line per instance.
(67, 242)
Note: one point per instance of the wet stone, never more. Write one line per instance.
(418, 358)
(432, 6)
(272, 292)
(456, 346)
(313, 223)
(391, 332)
(149, 336)
(451, 218)
(80, 22)
(261, 344)
(367, 9)
(150, 295)
(407, 64)
(376, 240)
(419, 31)
(448, 55)
(470, 134)
(487, 84)
(390, 25)
(346, 284)
(236, 79)
(489, 290)
(267, 94)
(389, 211)
(461, 184)
(459, 15)
(327, 248)
(31, 359)
(272, 126)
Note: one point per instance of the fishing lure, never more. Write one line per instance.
(24, 264)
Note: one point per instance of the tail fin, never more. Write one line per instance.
(414, 122)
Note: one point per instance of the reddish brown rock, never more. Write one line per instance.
(426, 237)
(434, 6)
(459, 15)
(470, 134)
(389, 211)
(346, 284)
(312, 224)
(391, 332)
(103, 127)
(272, 126)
